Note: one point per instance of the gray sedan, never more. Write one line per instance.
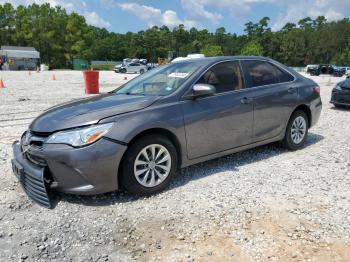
(138, 136)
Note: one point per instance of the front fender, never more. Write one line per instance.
(168, 117)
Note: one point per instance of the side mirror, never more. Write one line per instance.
(201, 90)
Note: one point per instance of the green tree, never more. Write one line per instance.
(252, 48)
(212, 50)
(344, 57)
(60, 36)
(7, 24)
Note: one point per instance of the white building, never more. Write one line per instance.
(20, 58)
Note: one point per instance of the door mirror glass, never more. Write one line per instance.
(201, 90)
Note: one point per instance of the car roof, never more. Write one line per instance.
(212, 60)
(208, 60)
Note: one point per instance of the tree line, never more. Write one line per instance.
(60, 36)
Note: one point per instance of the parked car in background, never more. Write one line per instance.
(143, 61)
(117, 68)
(133, 68)
(338, 71)
(326, 69)
(138, 136)
(314, 71)
(311, 67)
(347, 71)
(341, 94)
(151, 66)
(342, 69)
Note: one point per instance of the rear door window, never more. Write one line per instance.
(260, 73)
(225, 76)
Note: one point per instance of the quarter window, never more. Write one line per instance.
(225, 76)
(262, 73)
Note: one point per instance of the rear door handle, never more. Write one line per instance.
(292, 90)
(246, 100)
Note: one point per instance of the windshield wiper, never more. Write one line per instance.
(133, 94)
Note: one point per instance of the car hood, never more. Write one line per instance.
(88, 111)
(345, 84)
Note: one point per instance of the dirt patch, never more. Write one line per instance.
(281, 235)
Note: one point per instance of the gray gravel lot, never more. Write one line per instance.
(258, 205)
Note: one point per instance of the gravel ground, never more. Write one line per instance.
(258, 205)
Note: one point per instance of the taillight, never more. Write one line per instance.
(317, 89)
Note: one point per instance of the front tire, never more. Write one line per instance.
(296, 132)
(149, 165)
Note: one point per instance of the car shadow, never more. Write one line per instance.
(342, 108)
(227, 163)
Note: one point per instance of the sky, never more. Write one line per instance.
(122, 16)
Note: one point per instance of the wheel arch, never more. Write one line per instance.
(306, 110)
(161, 131)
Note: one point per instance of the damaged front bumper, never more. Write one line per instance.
(45, 168)
(31, 178)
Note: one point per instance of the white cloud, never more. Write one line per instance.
(196, 9)
(293, 11)
(92, 18)
(298, 9)
(79, 6)
(154, 16)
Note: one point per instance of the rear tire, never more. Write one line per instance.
(296, 131)
(141, 174)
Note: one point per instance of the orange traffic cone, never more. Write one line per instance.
(2, 84)
(53, 77)
(125, 78)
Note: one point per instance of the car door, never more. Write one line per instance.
(275, 95)
(131, 68)
(137, 67)
(222, 121)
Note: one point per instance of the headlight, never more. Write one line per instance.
(337, 87)
(80, 136)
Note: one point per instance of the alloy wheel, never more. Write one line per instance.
(152, 165)
(298, 130)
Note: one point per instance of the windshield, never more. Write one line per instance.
(160, 81)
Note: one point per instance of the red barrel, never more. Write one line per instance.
(91, 82)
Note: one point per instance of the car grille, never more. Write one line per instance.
(33, 142)
(35, 159)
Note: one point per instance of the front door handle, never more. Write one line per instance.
(246, 100)
(292, 90)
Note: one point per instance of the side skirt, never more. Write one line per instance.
(190, 162)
